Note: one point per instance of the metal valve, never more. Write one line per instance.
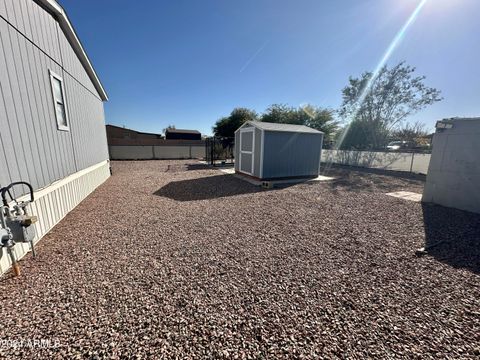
(6, 238)
(16, 224)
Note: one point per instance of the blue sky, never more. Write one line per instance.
(188, 63)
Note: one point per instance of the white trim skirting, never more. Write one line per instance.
(55, 201)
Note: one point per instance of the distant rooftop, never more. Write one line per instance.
(182, 131)
(127, 129)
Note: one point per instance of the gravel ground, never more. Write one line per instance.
(169, 259)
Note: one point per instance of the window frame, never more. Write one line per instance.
(53, 77)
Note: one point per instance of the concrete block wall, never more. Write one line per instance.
(409, 162)
(454, 174)
(155, 152)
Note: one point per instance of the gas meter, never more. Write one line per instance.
(16, 223)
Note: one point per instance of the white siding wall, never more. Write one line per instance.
(87, 124)
(72, 64)
(32, 149)
(37, 25)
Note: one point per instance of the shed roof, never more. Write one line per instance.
(281, 127)
(461, 119)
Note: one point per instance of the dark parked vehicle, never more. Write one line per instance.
(400, 145)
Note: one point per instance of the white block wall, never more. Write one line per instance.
(151, 152)
(132, 152)
(454, 175)
(417, 163)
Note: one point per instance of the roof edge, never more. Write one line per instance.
(72, 37)
(245, 123)
(183, 130)
(255, 124)
(467, 118)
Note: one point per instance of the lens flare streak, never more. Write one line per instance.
(391, 48)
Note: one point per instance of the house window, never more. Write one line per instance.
(59, 105)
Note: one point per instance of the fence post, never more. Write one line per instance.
(411, 164)
(212, 145)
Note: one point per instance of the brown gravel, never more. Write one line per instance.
(171, 260)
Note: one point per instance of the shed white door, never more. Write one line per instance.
(247, 148)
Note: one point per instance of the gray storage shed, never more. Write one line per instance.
(453, 178)
(274, 151)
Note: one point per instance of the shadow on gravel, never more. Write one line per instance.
(194, 167)
(210, 187)
(453, 236)
(190, 167)
(207, 167)
(330, 168)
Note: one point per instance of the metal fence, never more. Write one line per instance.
(397, 161)
(219, 151)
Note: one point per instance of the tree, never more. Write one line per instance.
(321, 119)
(226, 126)
(410, 132)
(314, 117)
(376, 105)
(284, 114)
(363, 135)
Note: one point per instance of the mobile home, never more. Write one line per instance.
(52, 128)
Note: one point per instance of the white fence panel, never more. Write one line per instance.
(151, 152)
(132, 152)
(172, 152)
(420, 163)
(198, 152)
(410, 162)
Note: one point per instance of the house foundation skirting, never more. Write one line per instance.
(55, 201)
